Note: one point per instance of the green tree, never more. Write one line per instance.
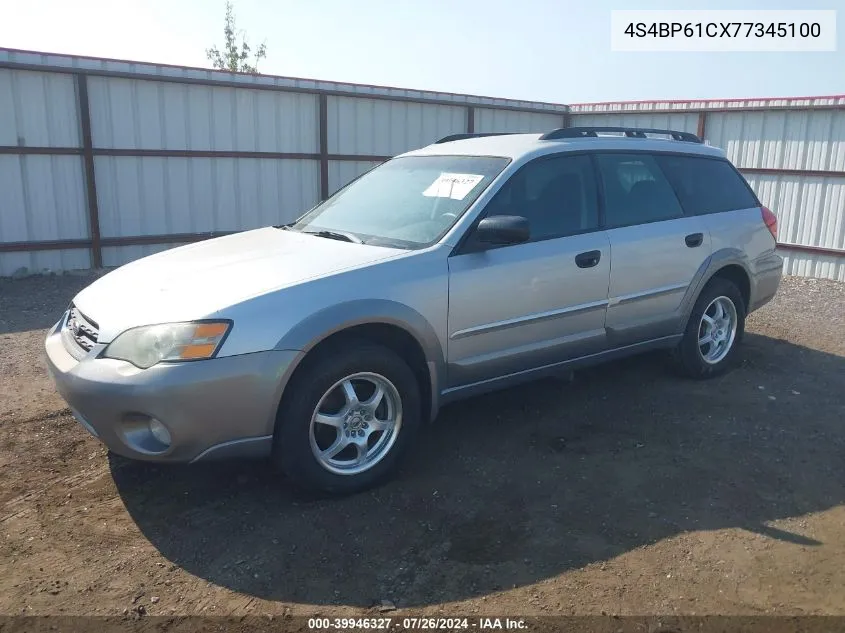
(235, 56)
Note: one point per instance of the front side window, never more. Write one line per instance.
(407, 202)
(556, 195)
(635, 190)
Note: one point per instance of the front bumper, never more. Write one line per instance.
(222, 407)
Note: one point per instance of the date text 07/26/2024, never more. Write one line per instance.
(416, 624)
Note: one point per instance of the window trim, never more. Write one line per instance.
(466, 245)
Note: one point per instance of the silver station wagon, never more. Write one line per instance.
(469, 265)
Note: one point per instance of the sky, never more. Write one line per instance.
(539, 50)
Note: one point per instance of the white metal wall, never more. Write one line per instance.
(225, 152)
(158, 196)
(139, 114)
(188, 151)
(41, 197)
(813, 265)
(155, 195)
(810, 208)
(781, 139)
(811, 211)
(490, 120)
(386, 128)
(683, 122)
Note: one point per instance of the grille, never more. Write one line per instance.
(81, 330)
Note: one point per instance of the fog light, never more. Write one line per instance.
(160, 432)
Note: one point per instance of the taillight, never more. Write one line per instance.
(771, 221)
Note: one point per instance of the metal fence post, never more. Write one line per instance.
(88, 162)
(324, 145)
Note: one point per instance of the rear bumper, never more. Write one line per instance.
(223, 407)
(765, 280)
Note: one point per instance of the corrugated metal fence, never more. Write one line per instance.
(104, 161)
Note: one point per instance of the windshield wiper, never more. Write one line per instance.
(337, 235)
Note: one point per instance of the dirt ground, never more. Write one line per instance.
(626, 491)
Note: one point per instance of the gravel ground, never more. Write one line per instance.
(625, 491)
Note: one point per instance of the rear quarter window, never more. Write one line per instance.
(706, 185)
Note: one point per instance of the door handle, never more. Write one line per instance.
(588, 259)
(694, 239)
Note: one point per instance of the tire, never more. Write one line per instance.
(321, 387)
(710, 359)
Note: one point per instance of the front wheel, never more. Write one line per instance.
(350, 416)
(714, 331)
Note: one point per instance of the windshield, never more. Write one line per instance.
(406, 202)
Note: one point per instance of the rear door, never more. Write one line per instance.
(710, 186)
(656, 249)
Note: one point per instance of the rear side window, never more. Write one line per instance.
(706, 185)
(635, 190)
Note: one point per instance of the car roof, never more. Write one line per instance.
(518, 146)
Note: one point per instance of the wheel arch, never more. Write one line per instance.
(389, 323)
(739, 276)
(688, 355)
(730, 264)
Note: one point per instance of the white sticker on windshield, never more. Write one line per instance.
(455, 186)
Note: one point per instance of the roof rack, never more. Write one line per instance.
(631, 132)
(460, 137)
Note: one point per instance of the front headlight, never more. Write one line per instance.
(145, 346)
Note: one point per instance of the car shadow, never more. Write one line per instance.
(518, 486)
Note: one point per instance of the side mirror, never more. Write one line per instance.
(502, 230)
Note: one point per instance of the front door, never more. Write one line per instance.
(524, 306)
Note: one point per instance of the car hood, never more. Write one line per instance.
(198, 280)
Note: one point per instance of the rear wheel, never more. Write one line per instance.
(714, 331)
(350, 416)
